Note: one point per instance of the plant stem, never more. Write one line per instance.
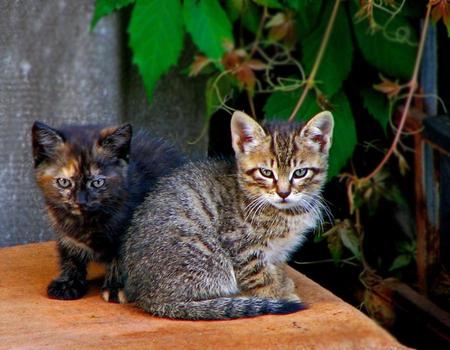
(259, 32)
(323, 45)
(252, 105)
(412, 87)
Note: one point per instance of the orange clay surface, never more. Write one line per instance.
(29, 320)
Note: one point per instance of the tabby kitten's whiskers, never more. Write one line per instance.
(211, 241)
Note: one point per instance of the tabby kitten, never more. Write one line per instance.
(211, 241)
(92, 179)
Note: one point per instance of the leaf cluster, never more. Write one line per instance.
(269, 47)
(266, 50)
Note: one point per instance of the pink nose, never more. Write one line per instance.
(284, 195)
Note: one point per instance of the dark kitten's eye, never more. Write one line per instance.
(299, 173)
(63, 183)
(98, 183)
(266, 172)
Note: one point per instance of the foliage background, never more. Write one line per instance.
(243, 43)
(289, 59)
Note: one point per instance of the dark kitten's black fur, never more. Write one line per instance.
(92, 179)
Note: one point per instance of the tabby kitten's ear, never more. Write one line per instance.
(115, 141)
(319, 131)
(46, 142)
(246, 133)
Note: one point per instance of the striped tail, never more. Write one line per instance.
(220, 308)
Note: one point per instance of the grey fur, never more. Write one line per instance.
(196, 249)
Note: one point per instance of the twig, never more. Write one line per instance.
(252, 105)
(259, 32)
(323, 45)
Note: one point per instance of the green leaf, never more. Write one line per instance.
(350, 241)
(344, 136)
(296, 4)
(250, 17)
(223, 86)
(308, 14)
(269, 3)
(280, 104)
(407, 247)
(392, 55)
(105, 7)
(319, 237)
(395, 195)
(234, 8)
(401, 261)
(156, 38)
(209, 26)
(377, 105)
(337, 59)
(335, 247)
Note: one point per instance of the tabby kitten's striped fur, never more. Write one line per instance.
(211, 241)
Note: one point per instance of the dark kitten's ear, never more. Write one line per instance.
(46, 142)
(319, 131)
(115, 141)
(246, 133)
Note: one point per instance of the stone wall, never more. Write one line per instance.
(53, 69)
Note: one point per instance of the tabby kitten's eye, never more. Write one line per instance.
(299, 173)
(63, 183)
(98, 183)
(266, 172)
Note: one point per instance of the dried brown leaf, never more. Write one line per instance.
(441, 9)
(197, 66)
(246, 77)
(256, 64)
(277, 20)
(388, 87)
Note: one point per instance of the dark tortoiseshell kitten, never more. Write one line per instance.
(92, 179)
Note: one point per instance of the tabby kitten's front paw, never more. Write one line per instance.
(67, 289)
(114, 295)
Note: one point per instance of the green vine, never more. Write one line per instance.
(296, 56)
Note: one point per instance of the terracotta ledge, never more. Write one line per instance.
(28, 319)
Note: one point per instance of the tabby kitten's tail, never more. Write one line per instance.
(220, 308)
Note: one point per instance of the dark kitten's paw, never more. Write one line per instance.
(66, 289)
(112, 289)
(114, 295)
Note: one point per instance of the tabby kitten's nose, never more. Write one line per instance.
(284, 194)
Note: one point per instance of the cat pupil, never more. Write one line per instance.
(98, 183)
(300, 172)
(63, 183)
(265, 172)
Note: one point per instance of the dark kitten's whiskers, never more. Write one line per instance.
(92, 179)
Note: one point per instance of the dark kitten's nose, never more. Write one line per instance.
(284, 194)
(81, 199)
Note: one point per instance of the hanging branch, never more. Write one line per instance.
(368, 274)
(413, 83)
(309, 83)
